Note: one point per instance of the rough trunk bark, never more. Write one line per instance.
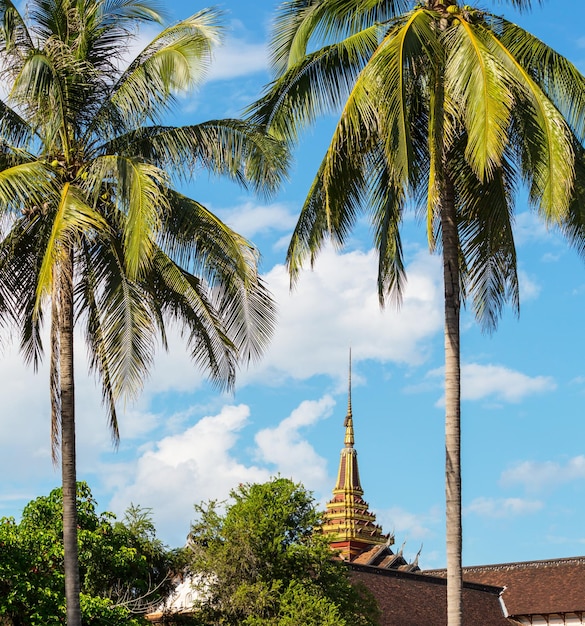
(68, 456)
(452, 404)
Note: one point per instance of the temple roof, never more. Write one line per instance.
(553, 587)
(415, 599)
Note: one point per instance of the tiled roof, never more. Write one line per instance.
(408, 599)
(537, 587)
(382, 556)
(550, 587)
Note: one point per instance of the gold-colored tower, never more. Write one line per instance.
(348, 520)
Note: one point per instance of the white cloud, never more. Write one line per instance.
(250, 219)
(291, 455)
(194, 465)
(408, 526)
(529, 287)
(336, 306)
(536, 476)
(236, 58)
(503, 507)
(201, 463)
(529, 227)
(483, 381)
(480, 381)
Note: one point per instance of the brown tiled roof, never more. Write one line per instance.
(536, 587)
(409, 599)
(382, 556)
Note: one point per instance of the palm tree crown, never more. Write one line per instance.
(91, 228)
(81, 170)
(444, 107)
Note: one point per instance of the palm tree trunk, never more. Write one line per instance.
(68, 459)
(452, 403)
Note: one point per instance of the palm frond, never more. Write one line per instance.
(226, 264)
(26, 187)
(557, 76)
(320, 83)
(547, 157)
(573, 226)
(38, 88)
(386, 202)
(438, 141)
(188, 300)
(202, 244)
(479, 88)
(20, 261)
(336, 197)
(175, 60)
(120, 323)
(298, 22)
(248, 315)
(16, 252)
(15, 131)
(233, 148)
(409, 49)
(488, 253)
(14, 35)
(115, 11)
(72, 218)
(138, 190)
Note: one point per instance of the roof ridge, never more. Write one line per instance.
(518, 564)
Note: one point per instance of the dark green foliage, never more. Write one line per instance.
(263, 562)
(124, 568)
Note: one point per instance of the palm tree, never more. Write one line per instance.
(444, 107)
(92, 231)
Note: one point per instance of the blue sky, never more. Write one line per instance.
(523, 387)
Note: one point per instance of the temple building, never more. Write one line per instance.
(348, 522)
(534, 593)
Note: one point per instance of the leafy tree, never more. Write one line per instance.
(446, 107)
(91, 229)
(263, 562)
(124, 568)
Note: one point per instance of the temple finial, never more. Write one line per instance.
(348, 423)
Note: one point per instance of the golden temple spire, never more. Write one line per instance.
(348, 423)
(348, 520)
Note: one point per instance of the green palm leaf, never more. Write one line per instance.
(26, 187)
(392, 66)
(120, 328)
(174, 61)
(318, 84)
(228, 147)
(298, 21)
(489, 273)
(555, 74)
(478, 87)
(547, 158)
(72, 217)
